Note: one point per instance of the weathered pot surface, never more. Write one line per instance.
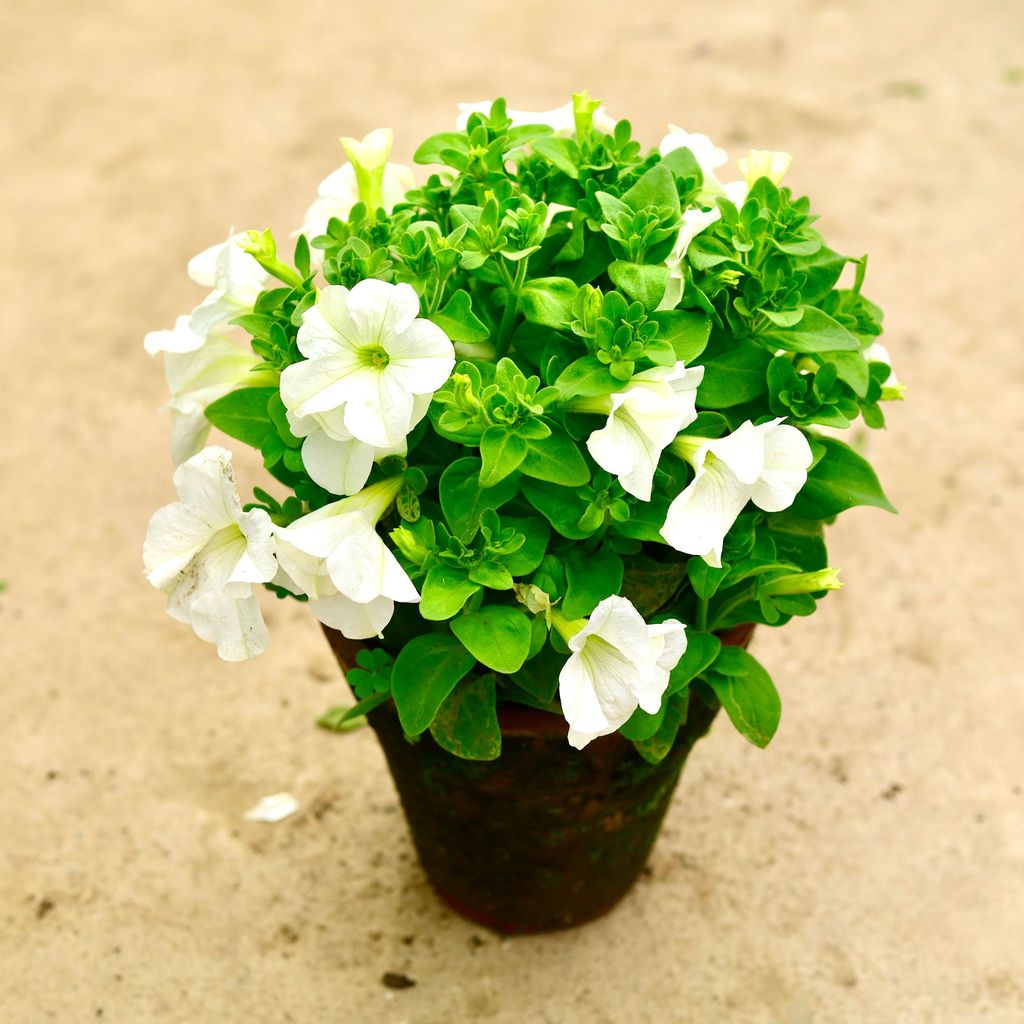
(546, 836)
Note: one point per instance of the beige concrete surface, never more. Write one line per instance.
(867, 869)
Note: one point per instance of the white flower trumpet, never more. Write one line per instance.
(618, 663)
(766, 464)
(338, 560)
(368, 356)
(643, 419)
(206, 554)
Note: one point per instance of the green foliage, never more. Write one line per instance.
(497, 636)
(243, 414)
(554, 264)
(372, 674)
(467, 721)
(747, 693)
(840, 480)
(426, 670)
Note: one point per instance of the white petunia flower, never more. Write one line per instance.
(334, 458)
(561, 119)
(198, 378)
(339, 192)
(691, 224)
(643, 420)
(764, 163)
(618, 663)
(766, 464)
(236, 279)
(368, 356)
(368, 177)
(206, 554)
(338, 560)
(181, 338)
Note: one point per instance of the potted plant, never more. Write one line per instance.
(550, 432)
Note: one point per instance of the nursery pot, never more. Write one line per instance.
(546, 836)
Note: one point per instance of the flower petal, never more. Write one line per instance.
(422, 357)
(380, 411)
(341, 467)
(355, 621)
(206, 485)
(325, 383)
(181, 338)
(702, 514)
(577, 694)
(620, 447)
(325, 328)
(174, 537)
(235, 625)
(258, 564)
(743, 450)
(379, 310)
(363, 568)
(787, 457)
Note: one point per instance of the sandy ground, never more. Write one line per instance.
(869, 867)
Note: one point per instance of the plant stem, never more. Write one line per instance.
(702, 614)
(747, 594)
(504, 338)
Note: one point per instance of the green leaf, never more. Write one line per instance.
(426, 670)
(705, 579)
(586, 378)
(701, 650)
(799, 541)
(656, 187)
(491, 574)
(591, 578)
(687, 333)
(563, 153)
(467, 722)
(658, 746)
(650, 584)
(561, 506)
(784, 317)
(556, 459)
(463, 500)
(642, 725)
(445, 590)
(458, 320)
(683, 164)
(432, 150)
(243, 414)
(536, 533)
(840, 480)
(737, 376)
(816, 331)
(852, 369)
(643, 283)
(539, 676)
(747, 693)
(498, 636)
(822, 271)
(548, 301)
(502, 450)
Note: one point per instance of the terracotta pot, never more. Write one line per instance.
(544, 837)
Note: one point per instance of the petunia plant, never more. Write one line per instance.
(541, 428)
